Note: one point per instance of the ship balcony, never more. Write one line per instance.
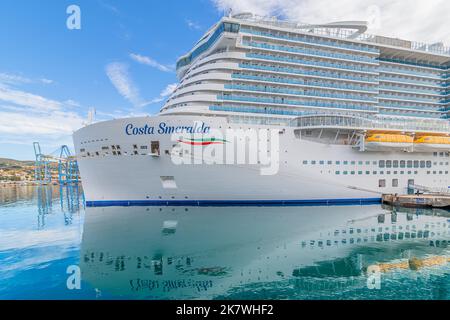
(306, 93)
(394, 79)
(302, 83)
(314, 41)
(323, 65)
(312, 53)
(435, 93)
(410, 99)
(280, 101)
(411, 73)
(316, 73)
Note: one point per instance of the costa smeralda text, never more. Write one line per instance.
(163, 128)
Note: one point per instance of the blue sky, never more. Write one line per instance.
(50, 76)
(122, 60)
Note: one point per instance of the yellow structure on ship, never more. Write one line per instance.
(388, 142)
(405, 142)
(432, 143)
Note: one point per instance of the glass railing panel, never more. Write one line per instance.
(312, 63)
(295, 102)
(299, 93)
(319, 53)
(308, 73)
(301, 82)
(311, 40)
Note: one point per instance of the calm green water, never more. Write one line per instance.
(215, 253)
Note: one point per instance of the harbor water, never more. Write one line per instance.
(53, 247)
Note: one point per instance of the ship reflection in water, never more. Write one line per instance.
(218, 253)
(265, 253)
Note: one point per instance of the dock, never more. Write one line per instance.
(418, 200)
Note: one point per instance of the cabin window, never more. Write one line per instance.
(395, 163)
(382, 163)
(155, 147)
(395, 183)
(144, 147)
(382, 183)
(135, 152)
(402, 164)
(82, 150)
(416, 164)
(105, 148)
(389, 164)
(409, 164)
(422, 164)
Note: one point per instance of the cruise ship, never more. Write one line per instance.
(347, 117)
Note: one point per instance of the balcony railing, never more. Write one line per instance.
(281, 101)
(411, 114)
(409, 98)
(401, 106)
(312, 63)
(336, 121)
(433, 92)
(338, 33)
(306, 93)
(410, 72)
(303, 83)
(319, 53)
(308, 73)
(310, 40)
(411, 81)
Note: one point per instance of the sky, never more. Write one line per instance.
(121, 62)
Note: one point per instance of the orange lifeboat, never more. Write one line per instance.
(388, 142)
(432, 143)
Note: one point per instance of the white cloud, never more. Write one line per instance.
(46, 81)
(151, 62)
(417, 20)
(15, 79)
(6, 78)
(119, 76)
(193, 25)
(167, 91)
(29, 100)
(26, 116)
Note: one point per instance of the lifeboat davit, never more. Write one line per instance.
(432, 143)
(388, 142)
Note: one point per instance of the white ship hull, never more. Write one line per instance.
(340, 175)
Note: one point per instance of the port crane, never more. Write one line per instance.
(62, 160)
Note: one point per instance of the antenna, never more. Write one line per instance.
(91, 116)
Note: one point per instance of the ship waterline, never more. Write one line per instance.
(355, 117)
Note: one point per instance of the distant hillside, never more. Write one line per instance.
(11, 163)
